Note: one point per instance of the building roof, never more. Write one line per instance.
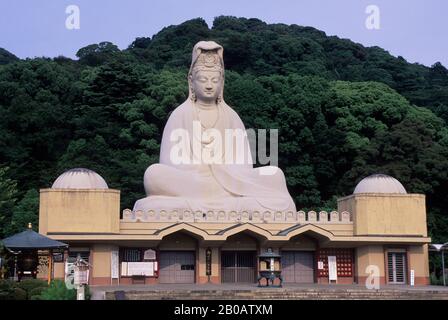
(80, 178)
(30, 239)
(379, 183)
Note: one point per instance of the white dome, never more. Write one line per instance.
(79, 178)
(379, 183)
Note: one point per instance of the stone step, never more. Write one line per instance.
(282, 295)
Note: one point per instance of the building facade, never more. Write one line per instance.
(379, 230)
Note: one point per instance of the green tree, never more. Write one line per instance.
(26, 211)
(343, 111)
(8, 198)
(97, 54)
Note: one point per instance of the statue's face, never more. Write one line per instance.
(207, 85)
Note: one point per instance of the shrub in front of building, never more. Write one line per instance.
(19, 294)
(35, 293)
(6, 290)
(30, 284)
(11, 290)
(58, 291)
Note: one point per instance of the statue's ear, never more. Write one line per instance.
(220, 51)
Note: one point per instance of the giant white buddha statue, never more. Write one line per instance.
(205, 159)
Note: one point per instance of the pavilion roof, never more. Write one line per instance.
(30, 239)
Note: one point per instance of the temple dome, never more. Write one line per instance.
(379, 183)
(80, 178)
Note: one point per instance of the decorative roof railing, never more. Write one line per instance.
(234, 216)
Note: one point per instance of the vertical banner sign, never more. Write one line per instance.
(412, 277)
(114, 265)
(208, 262)
(332, 269)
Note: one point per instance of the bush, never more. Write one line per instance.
(35, 293)
(4, 295)
(436, 281)
(87, 294)
(58, 291)
(30, 284)
(6, 290)
(19, 294)
(6, 284)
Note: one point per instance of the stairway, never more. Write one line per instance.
(281, 294)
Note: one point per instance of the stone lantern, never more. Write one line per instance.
(270, 268)
(81, 276)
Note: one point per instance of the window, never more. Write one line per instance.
(72, 255)
(132, 255)
(137, 254)
(396, 263)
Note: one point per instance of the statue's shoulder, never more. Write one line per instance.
(233, 114)
(180, 111)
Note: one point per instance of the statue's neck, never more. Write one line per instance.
(206, 105)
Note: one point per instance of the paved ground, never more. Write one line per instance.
(245, 287)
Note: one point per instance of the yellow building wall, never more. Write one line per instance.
(339, 229)
(79, 211)
(300, 242)
(418, 261)
(59, 270)
(101, 263)
(386, 214)
(178, 241)
(240, 241)
(369, 256)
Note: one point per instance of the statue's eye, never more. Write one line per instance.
(202, 79)
(215, 80)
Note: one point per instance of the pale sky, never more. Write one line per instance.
(414, 29)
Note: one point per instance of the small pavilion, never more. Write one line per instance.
(31, 241)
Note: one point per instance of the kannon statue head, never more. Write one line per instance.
(206, 76)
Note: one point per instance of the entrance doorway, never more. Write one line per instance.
(238, 266)
(298, 266)
(396, 263)
(177, 267)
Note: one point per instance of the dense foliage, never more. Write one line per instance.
(343, 111)
(36, 289)
(58, 291)
(29, 289)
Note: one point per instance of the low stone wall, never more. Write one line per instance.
(322, 217)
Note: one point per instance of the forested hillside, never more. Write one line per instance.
(343, 112)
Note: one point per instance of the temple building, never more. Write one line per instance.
(379, 227)
(208, 213)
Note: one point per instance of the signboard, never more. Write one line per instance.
(58, 257)
(81, 276)
(149, 255)
(140, 269)
(412, 277)
(320, 265)
(332, 269)
(124, 269)
(114, 264)
(208, 262)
